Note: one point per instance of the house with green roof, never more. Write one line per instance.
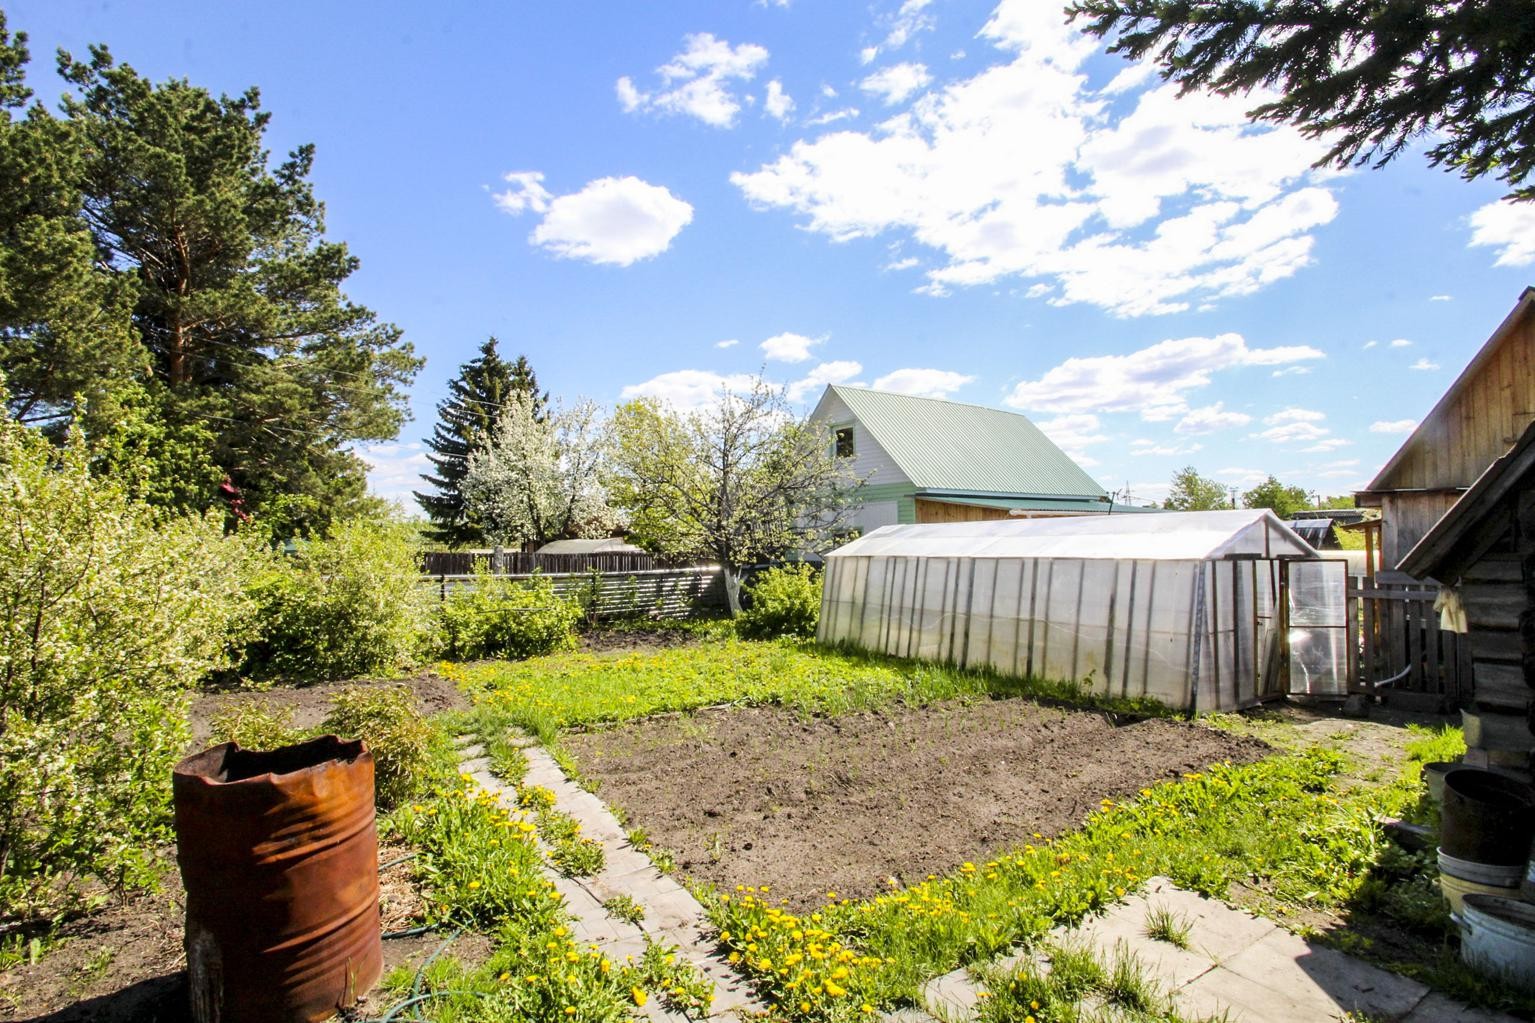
(927, 460)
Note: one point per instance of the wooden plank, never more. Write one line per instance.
(1433, 663)
(1493, 605)
(1495, 645)
(1412, 615)
(1500, 684)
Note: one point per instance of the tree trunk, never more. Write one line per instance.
(732, 589)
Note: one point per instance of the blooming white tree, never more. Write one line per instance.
(537, 478)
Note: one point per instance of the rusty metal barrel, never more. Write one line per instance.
(279, 856)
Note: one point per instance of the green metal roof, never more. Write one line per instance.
(946, 445)
(1061, 504)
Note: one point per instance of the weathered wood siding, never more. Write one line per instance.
(1407, 517)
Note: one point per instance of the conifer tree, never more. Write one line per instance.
(464, 421)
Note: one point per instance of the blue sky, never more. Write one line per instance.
(960, 199)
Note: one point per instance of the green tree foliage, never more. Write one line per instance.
(346, 604)
(1285, 501)
(1193, 492)
(464, 420)
(1340, 501)
(155, 262)
(500, 617)
(535, 478)
(784, 602)
(65, 328)
(109, 613)
(1366, 76)
(738, 482)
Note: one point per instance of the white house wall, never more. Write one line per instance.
(871, 463)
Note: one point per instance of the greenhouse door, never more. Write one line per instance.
(1316, 624)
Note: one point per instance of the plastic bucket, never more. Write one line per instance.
(1497, 936)
(1455, 890)
(1482, 873)
(1487, 818)
(279, 855)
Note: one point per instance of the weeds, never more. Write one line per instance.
(625, 908)
(1162, 924)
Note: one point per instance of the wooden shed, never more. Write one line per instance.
(1484, 411)
(1484, 549)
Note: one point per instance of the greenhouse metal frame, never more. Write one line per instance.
(1198, 610)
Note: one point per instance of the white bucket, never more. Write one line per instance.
(1497, 936)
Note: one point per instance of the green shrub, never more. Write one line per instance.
(255, 727)
(499, 617)
(109, 614)
(399, 738)
(346, 605)
(784, 602)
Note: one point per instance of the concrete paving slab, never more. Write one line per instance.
(1289, 963)
(952, 996)
(1125, 934)
(1437, 1008)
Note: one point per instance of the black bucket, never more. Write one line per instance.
(1486, 818)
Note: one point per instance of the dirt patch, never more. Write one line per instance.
(806, 805)
(310, 704)
(601, 641)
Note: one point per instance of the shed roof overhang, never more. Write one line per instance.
(1474, 523)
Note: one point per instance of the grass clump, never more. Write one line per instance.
(1162, 924)
(623, 907)
(502, 617)
(1076, 988)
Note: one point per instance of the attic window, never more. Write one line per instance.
(845, 442)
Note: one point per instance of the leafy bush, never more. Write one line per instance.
(784, 602)
(395, 732)
(255, 727)
(109, 614)
(345, 605)
(501, 617)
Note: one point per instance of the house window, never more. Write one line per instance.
(845, 442)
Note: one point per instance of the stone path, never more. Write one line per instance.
(1247, 967)
(672, 915)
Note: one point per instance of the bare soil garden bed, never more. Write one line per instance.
(809, 805)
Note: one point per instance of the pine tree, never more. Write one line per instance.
(464, 421)
(155, 262)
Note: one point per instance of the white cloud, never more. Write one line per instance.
(617, 221)
(1073, 433)
(825, 373)
(1291, 371)
(1397, 426)
(1508, 227)
(867, 54)
(698, 82)
(1145, 447)
(1330, 444)
(1211, 418)
(1371, 344)
(728, 343)
(908, 21)
(831, 117)
(1424, 364)
(777, 103)
(903, 264)
(1153, 381)
(688, 389)
(789, 347)
(1400, 342)
(394, 469)
(1441, 298)
(1294, 415)
(1298, 425)
(924, 383)
(526, 192)
(897, 82)
(1024, 170)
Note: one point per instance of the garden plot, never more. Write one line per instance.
(807, 805)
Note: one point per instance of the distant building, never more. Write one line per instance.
(1479, 418)
(926, 460)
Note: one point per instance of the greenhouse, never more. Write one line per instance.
(1199, 610)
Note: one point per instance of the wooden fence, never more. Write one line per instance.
(655, 593)
(1394, 634)
(441, 563)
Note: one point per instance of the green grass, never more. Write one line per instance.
(1162, 924)
(545, 695)
(1065, 984)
